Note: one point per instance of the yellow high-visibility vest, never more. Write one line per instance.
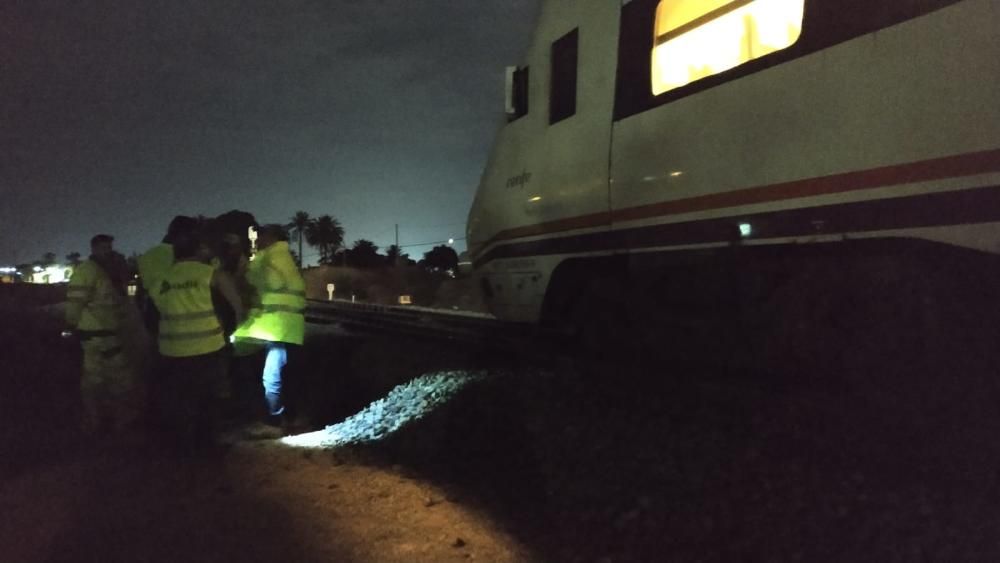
(188, 324)
(91, 304)
(279, 314)
(153, 267)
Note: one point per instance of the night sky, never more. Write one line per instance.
(117, 115)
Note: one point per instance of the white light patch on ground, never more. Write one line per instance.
(406, 403)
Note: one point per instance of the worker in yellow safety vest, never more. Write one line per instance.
(277, 317)
(96, 305)
(192, 344)
(155, 263)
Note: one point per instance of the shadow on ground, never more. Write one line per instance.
(891, 462)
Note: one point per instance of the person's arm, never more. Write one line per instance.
(241, 266)
(286, 271)
(78, 294)
(274, 279)
(223, 282)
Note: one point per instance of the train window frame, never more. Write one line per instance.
(825, 23)
(697, 39)
(519, 103)
(564, 76)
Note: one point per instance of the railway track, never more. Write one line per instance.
(436, 324)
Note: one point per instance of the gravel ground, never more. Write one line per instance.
(712, 470)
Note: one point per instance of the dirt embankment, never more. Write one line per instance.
(68, 498)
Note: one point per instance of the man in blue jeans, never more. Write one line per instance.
(277, 317)
(276, 357)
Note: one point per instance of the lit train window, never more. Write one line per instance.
(699, 38)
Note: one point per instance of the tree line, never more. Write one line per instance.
(326, 235)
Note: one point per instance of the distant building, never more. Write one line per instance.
(50, 274)
(9, 275)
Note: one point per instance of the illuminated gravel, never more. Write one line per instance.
(404, 404)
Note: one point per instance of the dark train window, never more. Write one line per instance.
(562, 100)
(517, 93)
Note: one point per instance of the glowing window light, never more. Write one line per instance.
(746, 229)
(699, 38)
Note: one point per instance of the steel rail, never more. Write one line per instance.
(420, 322)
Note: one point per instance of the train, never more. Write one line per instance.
(678, 158)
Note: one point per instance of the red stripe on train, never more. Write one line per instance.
(967, 164)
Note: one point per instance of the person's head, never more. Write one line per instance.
(231, 244)
(179, 226)
(270, 234)
(191, 245)
(101, 245)
(234, 223)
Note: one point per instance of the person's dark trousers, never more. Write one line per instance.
(191, 392)
(245, 382)
(156, 418)
(276, 357)
(150, 314)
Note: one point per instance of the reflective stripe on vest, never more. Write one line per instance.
(284, 309)
(78, 293)
(189, 316)
(190, 335)
(297, 292)
(188, 323)
(283, 301)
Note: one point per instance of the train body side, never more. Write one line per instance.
(540, 171)
(892, 134)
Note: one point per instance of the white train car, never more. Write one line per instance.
(660, 136)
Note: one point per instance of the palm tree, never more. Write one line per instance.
(300, 222)
(325, 233)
